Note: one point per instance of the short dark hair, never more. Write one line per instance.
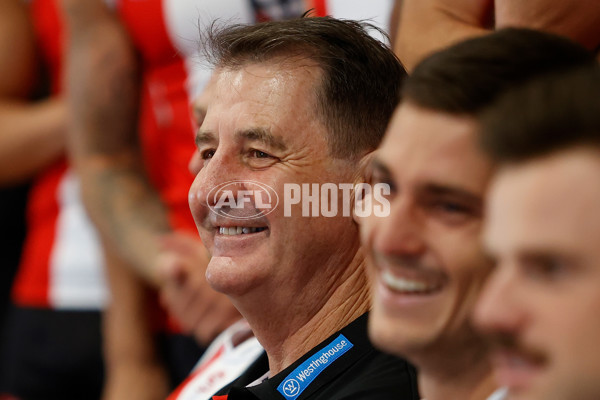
(466, 77)
(361, 75)
(548, 114)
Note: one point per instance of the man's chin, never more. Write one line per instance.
(230, 277)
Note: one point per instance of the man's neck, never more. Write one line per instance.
(286, 338)
(464, 373)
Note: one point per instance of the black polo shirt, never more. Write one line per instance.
(344, 366)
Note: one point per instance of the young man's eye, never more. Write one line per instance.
(452, 212)
(545, 268)
(374, 177)
(206, 154)
(452, 207)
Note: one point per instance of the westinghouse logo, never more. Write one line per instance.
(301, 377)
(229, 197)
(291, 387)
(242, 199)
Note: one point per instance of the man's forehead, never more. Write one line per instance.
(413, 126)
(567, 179)
(546, 203)
(273, 73)
(442, 150)
(260, 94)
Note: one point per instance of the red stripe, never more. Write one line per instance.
(320, 7)
(49, 32)
(32, 283)
(165, 122)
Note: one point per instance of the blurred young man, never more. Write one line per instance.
(541, 303)
(427, 263)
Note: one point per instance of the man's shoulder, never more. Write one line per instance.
(376, 375)
(344, 366)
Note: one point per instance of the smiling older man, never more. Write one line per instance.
(295, 104)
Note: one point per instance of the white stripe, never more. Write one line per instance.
(185, 19)
(378, 12)
(228, 366)
(76, 263)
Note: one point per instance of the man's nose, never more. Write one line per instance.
(214, 173)
(400, 233)
(498, 309)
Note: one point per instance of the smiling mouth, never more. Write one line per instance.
(239, 230)
(405, 285)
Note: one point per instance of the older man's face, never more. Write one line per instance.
(261, 130)
(426, 260)
(542, 301)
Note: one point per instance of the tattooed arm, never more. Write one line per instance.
(103, 98)
(103, 91)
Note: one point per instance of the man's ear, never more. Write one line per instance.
(362, 175)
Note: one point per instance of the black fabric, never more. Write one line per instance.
(49, 354)
(362, 373)
(180, 353)
(12, 234)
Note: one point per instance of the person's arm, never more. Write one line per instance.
(425, 26)
(103, 97)
(577, 19)
(103, 93)
(31, 133)
(134, 370)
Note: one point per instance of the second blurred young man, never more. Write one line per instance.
(541, 303)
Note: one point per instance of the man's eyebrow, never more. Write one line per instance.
(204, 137)
(262, 135)
(441, 190)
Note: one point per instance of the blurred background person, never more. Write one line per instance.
(426, 261)
(540, 306)
(52, 346)
(425, 26)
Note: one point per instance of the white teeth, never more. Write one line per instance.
(237, 230)
(404, 285)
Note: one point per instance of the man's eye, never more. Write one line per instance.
(375, 178)
(259, 154)
(452, 212)
(452, 208)
(545, 268)
(206, 154)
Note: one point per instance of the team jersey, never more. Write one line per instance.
(62, 265)
(343, 366)
(228, 356)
